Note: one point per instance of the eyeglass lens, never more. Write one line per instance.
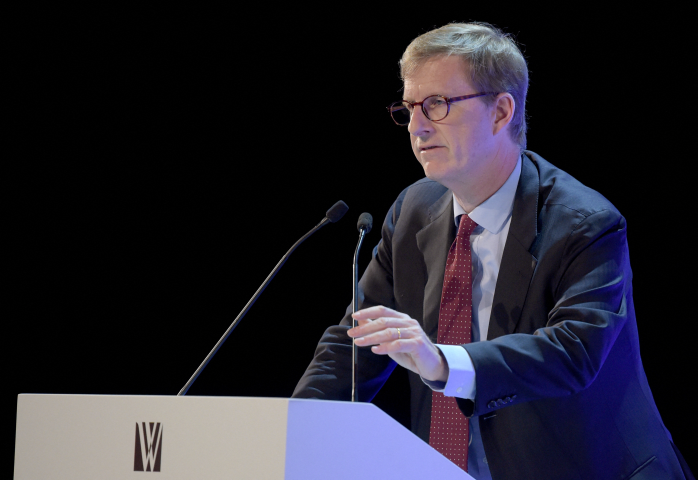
(435, 108)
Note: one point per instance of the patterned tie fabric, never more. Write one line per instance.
(448, 433)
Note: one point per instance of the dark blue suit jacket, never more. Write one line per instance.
(561, 391)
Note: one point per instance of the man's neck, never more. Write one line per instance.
(474, 193)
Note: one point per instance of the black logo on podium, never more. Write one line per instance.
(148, 447)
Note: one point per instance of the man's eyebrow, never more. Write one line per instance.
(433, 94)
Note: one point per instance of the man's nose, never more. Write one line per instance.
(419, 123)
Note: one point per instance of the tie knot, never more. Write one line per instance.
(466, 226)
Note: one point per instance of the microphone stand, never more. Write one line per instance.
(333, 214)
(355, 308)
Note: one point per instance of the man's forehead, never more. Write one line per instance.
(437, 76)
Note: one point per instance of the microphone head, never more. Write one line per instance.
(337, 211)
(365, 222)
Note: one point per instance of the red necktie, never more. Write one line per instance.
(448, 433)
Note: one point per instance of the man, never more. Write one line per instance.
(503, 285)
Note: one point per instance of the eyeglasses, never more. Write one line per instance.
(435, 107)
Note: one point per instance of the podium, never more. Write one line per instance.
(161, 438)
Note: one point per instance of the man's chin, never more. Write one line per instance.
(432, 173)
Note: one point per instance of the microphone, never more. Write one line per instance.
(332, 215)
(364, 226)
(337, 211)
(365, 222)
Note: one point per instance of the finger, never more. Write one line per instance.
(361, 329)
(399, 346)
(421, 357)
(367, 327)
(377, 311)
(353, 332)
(384, 336)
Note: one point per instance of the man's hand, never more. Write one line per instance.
(402, 338)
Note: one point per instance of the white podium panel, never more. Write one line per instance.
(75, 437)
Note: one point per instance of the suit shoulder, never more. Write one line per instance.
(560, 189)
(424, 191)
(420, 196)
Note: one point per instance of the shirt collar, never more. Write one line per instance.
(493, 213)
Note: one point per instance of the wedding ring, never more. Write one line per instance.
(399, 336)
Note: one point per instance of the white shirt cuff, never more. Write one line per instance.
(461, 373)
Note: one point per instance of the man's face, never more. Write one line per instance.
(457, 150)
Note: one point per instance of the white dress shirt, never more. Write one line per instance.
(493, 217)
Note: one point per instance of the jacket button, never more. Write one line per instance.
(500, 402)
(492, 404)
(507, 400)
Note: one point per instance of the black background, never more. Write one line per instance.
(162, 160)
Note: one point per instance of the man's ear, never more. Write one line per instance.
(503, 112)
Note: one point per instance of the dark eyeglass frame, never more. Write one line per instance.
(449, 100)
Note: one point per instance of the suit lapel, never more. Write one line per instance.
(518, 264)
(434, 241)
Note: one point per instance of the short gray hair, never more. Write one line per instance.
(495, 63)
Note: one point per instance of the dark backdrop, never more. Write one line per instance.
(164, 160)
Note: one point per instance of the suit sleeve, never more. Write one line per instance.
(591, 298)
(328, 376)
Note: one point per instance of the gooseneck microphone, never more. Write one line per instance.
(333, 215)
(364, 225)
